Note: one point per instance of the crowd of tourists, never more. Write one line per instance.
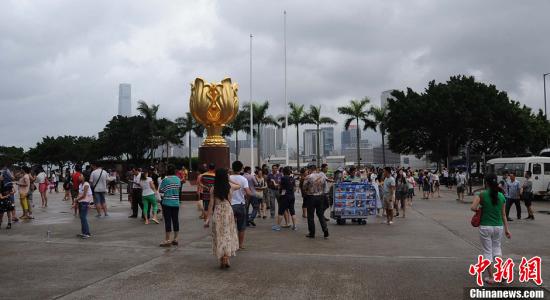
(232, 200)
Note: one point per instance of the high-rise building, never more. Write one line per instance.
(327, 138)
(349, 137)
(310, 142)
(326, 141)
(269, 141)
(125, 99)
(280, 135)
(384, 97)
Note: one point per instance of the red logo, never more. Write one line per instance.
(529, 269)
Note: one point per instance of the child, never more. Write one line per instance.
(6, 205)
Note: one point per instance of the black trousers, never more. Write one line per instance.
(171, 218)
(137, 201)
(316, 204)
(509, 203)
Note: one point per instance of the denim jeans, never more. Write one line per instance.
(255, 202)
(273, 195)
(83, 212)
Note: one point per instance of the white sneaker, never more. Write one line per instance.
(391, 222)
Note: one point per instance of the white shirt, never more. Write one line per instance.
(88, 197)
(41, 178)
(238, 195)
(137, 178)
(146, 187)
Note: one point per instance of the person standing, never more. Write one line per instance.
(148, 195)
(445, 175)
(170, 188)
(260, 192)
(410, 186)
(24, 184)
(460, 185)
(401, 192)
(314, 186)
(83, 200)
(286, 190)
(98, 181)
(251, 200)
(7, 183)
(273, 180)
(513, 187)
(137, 194)
(42, 180)
(493, 221)
(388, 194)
(527, 194)
(225, 241)
(67, 184)
(328, 185)
(436, 184)
(238, 202)
(205, 183)
(75, 178)
(303, 174)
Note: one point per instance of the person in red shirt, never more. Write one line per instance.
(75, 177)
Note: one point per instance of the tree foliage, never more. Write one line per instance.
(448, 117)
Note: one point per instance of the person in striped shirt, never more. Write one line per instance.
(170, 189)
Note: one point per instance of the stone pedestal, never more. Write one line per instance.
(217, 155)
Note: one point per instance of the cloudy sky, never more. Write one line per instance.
(61, 60)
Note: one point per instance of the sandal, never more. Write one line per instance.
(175, 243)
(165, 244)
(155, 220)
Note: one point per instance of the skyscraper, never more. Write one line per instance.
(125, 99)
(327, 138)
(310, 142)
(269, 141)
(349, 137)
(384, 97)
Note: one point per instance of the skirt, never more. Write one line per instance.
(225, 241)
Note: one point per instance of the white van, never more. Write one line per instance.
(538, 165)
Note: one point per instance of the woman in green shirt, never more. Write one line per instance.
(493, 221)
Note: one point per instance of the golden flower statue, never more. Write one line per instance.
(214, 105)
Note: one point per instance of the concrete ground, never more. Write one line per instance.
(424, 256)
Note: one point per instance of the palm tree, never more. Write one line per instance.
(357, 111)
(150, 114)
(315, 118)
(380, 114)
(297, 116)
(188, 125)
(168, 133)
(240, 123)
(260, 118)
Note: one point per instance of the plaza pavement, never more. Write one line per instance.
(425, 256)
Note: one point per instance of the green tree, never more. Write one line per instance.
(125, 136)
(315, 118)
(357, 111)
(168, 133)
(149, 112)
(260, 118)
(188, 125)
(11, 155)
(380, 114)
(297, 116)
(240, 123)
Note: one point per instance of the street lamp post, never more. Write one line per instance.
(544, 84)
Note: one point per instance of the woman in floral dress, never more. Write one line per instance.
(224, 231)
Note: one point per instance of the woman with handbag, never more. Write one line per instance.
(225, 241)
(148, 196)
(493, 222)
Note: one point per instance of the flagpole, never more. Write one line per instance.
(251, 112)
(286, 99)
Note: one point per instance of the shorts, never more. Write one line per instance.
(460, 189)
(388, 202)
(527, 198)
(74, 194)
(99, 198)
(239, 211)
(411, 193)
(205, 204)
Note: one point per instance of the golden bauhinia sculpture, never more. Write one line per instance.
(214, 105)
